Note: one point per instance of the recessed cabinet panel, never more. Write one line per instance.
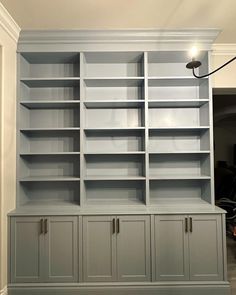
(26, 250)
(133, 248)
(171, 248)
(206, 248)
(62, 249)
(98, 249)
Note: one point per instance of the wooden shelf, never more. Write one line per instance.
(185, 103)
(114, 103)
(51, 82)
(42, 104)
(50, 179)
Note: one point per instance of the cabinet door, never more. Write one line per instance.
(171, 248)
(133, 248)
(26, 258)
(205, 248)
(99, 248)
(61, 249)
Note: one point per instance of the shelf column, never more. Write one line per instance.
(82, 164)
(147, 191)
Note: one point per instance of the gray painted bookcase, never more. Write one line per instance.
(115, 184)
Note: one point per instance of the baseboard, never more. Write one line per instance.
(216, 289)
(3, 291)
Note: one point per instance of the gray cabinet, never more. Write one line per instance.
(188, 247)
(26, 253)
(116, 248)
(44, 249)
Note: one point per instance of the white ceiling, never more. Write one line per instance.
(121, 14)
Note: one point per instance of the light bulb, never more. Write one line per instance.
(193, 52)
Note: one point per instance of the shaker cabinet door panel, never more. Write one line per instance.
(205, 247)
(99, 249)
(133, 248)
(61, 257)
(27, 245)
(171, 248)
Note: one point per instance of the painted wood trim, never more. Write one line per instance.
(40, 40)
(8, 24)
(216, 289)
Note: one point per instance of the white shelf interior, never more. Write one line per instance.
(117, 141)
(113, 64)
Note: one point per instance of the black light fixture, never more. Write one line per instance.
(194, 64)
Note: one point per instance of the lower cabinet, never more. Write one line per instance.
(44, 249)
(188, 247)
(116, 248)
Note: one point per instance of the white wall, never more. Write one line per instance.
(226, 77)
(8, 38)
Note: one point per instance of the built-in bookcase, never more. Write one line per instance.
(112, 128)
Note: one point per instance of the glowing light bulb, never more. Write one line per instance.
(193, 52)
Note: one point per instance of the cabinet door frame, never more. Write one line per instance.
(74, 243)
(13, 245)
(219, 274)
(145, 219)
(157, 276)
(86, 276)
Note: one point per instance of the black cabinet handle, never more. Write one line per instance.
(118, 225)
(186, 224)
(45, 226)
(41, 227)
(191, 224)
(113, 225)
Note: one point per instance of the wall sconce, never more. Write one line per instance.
(194, 64)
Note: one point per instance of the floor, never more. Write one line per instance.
(231, 253)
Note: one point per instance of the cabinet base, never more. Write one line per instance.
(121, 289)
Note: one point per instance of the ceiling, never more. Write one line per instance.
(121, 14)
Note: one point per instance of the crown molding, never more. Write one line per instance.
(3, 291)
(8, 24)
(157, 38)
(224, 49)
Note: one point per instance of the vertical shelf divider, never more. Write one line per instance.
(147, 191)
(82, 136)
(211, 133)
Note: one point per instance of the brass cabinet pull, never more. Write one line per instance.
(113, 225)
(45, 226)
(118, 225)
(41, 227)
(191, 224)
(186, 224)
